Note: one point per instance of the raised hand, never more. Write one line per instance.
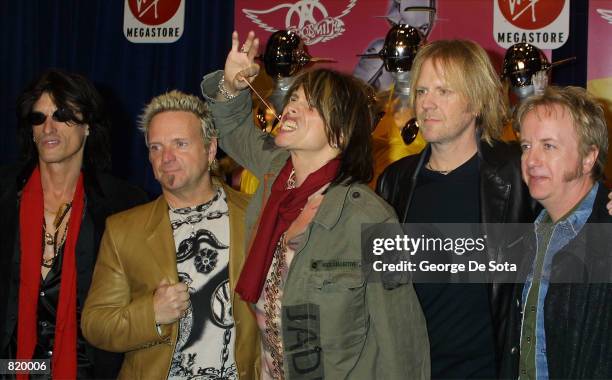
(240, 63)
(170, 301)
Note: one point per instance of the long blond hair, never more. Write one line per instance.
(468, 70)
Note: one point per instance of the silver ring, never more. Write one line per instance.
(244, 50)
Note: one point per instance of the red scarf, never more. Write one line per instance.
(283, 207)
(64, 360)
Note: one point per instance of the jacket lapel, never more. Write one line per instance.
(494, 190)
(405, 196)
(86, 254)
(160, 241)
(236, 204)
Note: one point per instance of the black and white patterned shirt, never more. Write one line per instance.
(205, 345)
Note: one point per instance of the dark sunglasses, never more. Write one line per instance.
(61, 115)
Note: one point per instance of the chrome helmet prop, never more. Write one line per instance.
(521, 62)
(420, 14)
(401, 45)
(399, 49)
(285, 54)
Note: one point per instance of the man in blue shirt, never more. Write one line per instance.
(566, 300)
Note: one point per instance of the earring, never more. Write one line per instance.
(212, 165)
(87, 132)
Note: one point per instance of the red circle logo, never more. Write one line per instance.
(154, 12)
(531, 14)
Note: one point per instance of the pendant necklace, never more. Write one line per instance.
(53, 239)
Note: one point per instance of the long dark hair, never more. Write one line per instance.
(345, 105)
(77, 93)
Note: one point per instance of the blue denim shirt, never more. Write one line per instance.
(563, 232)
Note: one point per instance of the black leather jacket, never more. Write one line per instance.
(504, 198)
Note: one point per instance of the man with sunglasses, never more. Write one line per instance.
(53, 206)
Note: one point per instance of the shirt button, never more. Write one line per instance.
(518, 304)
(528, 339)
(314, 265)
(44, 324)
(533, 308)
(356, 194)
(513, 350)
(50, 353)
(42, 294)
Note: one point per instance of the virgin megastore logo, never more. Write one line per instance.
(153, 21)
(543, 23)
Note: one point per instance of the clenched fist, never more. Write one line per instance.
(170, 301)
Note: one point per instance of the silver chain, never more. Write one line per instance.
(227, 336)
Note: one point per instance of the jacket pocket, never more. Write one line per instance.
(341, 300)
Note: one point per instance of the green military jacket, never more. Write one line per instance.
(337, 323)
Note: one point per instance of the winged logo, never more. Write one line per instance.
(308, 18)
(606, 14)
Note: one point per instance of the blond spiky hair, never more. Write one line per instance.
(176, 100)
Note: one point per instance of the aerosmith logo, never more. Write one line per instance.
(309, 19)
(606, 14)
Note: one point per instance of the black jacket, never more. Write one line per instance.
(578, 315)
(504, 198)
(104, 195)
